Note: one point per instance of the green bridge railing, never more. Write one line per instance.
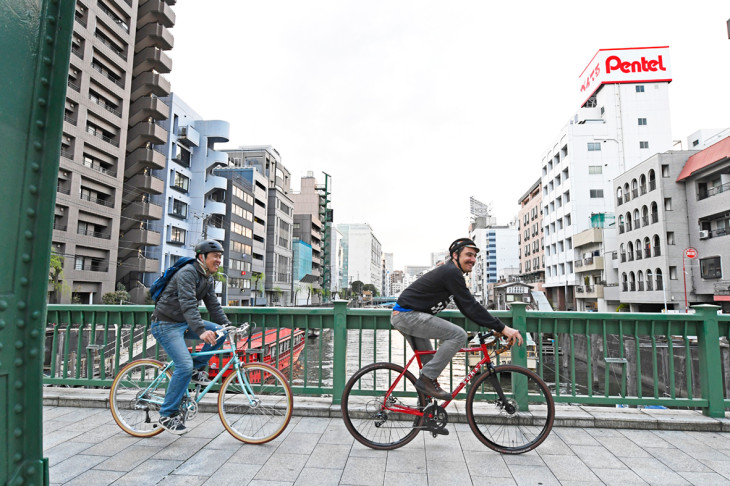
(670, 360)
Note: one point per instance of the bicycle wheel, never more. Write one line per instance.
(261, 414)
(135, 408)
(507, 426)
(365, 416)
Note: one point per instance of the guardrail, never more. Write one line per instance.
(671, 360)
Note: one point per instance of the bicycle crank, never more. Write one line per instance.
(435, 420)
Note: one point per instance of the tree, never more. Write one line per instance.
(55, 277)
(372, 289)
(256, 278)
(121, 296)
(357, 287)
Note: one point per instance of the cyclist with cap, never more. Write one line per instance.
(177, 318)
(414, 314)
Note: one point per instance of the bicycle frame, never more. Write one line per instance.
(485, 361)
(234, 361)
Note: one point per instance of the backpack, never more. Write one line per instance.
(159, 285)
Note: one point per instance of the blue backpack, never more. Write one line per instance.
(159, 285)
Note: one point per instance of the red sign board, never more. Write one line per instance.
(690, 252)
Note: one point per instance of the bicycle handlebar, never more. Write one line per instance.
(243, 328)
(483, 336)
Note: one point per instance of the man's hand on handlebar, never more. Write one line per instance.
(208, 337)
(512, 335)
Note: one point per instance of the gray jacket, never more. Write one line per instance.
(179, 301)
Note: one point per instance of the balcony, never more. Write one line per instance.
(148, 107)
(216, 159)
(713, 191)
(143, 158)
(593, 235)
(213, 207)
(155, 12)
(104, 235)
(154, 35)
(137, 263)
(141, 211)
(134, 238)
(592, 263)
(215, 182)
(146, 183)
(143, 133)
(216, 233)
(149, 83)
(188, 136)
(151, 59)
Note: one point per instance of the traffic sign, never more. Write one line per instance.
(690, 252)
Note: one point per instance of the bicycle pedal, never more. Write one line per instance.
(443, 431)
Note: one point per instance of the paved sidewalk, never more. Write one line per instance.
(86, 447)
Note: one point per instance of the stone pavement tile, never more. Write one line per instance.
(299, 443)
(597, 432)
(96, 434)
(645, 438)
(126, 459)
(629, 418)
(60, 437)
(720, 467)
(490, 481)
(467, 439)
(225, 441)
(204, 462)
(677, 460)
(336, 433)
(618, 477)
(50, 413)
(181, 449)
(112, 445)
(232, 473)
(447, 473)
(282, 467)
(574, 436)
(486, 464)
(257, 482)
(653, 471)
(205, 426)
(254, 454)
(716, 440)
(533, 475)
(669, 419)
(149, 472)
(404, 478)
(312, 425)
(63, 451)
(598, 457)
(365, 471)
(444, 451)
(96, 478)
(704, 479)
(329, 456)
(187, 480)
(359, 450)
(569, 468)
(531, 458)
(622, 447)
(73, 466)
(406, 461)
(311, 476)
(553, 444)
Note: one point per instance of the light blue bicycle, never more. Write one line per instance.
(255, 401)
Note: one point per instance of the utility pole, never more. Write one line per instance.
(325, 216)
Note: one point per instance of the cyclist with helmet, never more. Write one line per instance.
(177, 318)
(414, 314)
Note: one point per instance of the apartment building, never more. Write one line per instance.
(279, 220)
(623, 119)
(114, 81)
(498, 258)
(530, 232)
(362, 255)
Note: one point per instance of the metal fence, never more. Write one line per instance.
(670, 360)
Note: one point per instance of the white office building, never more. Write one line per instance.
(622, 119)
(362, 255)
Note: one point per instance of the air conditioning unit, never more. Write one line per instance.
(704, 234)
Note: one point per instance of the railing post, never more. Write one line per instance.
(519, 322)
(708, 339)
(339, 358)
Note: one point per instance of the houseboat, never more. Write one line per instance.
(276, 347)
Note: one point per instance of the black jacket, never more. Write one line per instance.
(434, 290)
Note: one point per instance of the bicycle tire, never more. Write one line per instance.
(362, 407)
(268, 415)
(516, 431)
(135, 417)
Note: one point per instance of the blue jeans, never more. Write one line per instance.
(171, 336)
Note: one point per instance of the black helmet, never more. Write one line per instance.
(207, 246)
(457, 245)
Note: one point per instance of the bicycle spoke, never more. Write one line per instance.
(134, 404)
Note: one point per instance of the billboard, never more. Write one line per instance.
(625, 65)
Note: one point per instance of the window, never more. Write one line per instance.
(667, 203)
(643, 145)
(640, 88)
(673, 273)
(670, 238)
(710, 267)
(665, 170)
(642, 121)
(179, 209)
(695, 143)
(177, 235)
(596, 193)
(181, 182)
(595, 169)
(594, 146)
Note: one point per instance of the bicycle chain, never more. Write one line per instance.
(435, 419)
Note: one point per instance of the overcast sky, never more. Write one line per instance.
(414, 106)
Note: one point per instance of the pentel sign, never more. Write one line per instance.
(629, 65)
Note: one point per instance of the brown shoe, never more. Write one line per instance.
(431, 388)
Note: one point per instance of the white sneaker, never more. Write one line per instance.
(200, 377)
(174, 424)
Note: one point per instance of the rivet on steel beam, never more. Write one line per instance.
(44, 81)
(3, 305)
(28, 234)
(47, 60)
(21, 323)
(17, 457)
(49, 40)
(18, 432)
(33, 352)
(18, 408)
(42, 101)
(21, 305)
(38, 146)
(18, 362)
(23, 281)
(35, 333)
(25, 258)
(2, 325)
(33, 189)
(30, 212)
(18, 385)
(35, 166)
(19, 344)
(35, 315)
(39, 123)
(51, 20)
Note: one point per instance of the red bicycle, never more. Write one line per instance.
(509, 408)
